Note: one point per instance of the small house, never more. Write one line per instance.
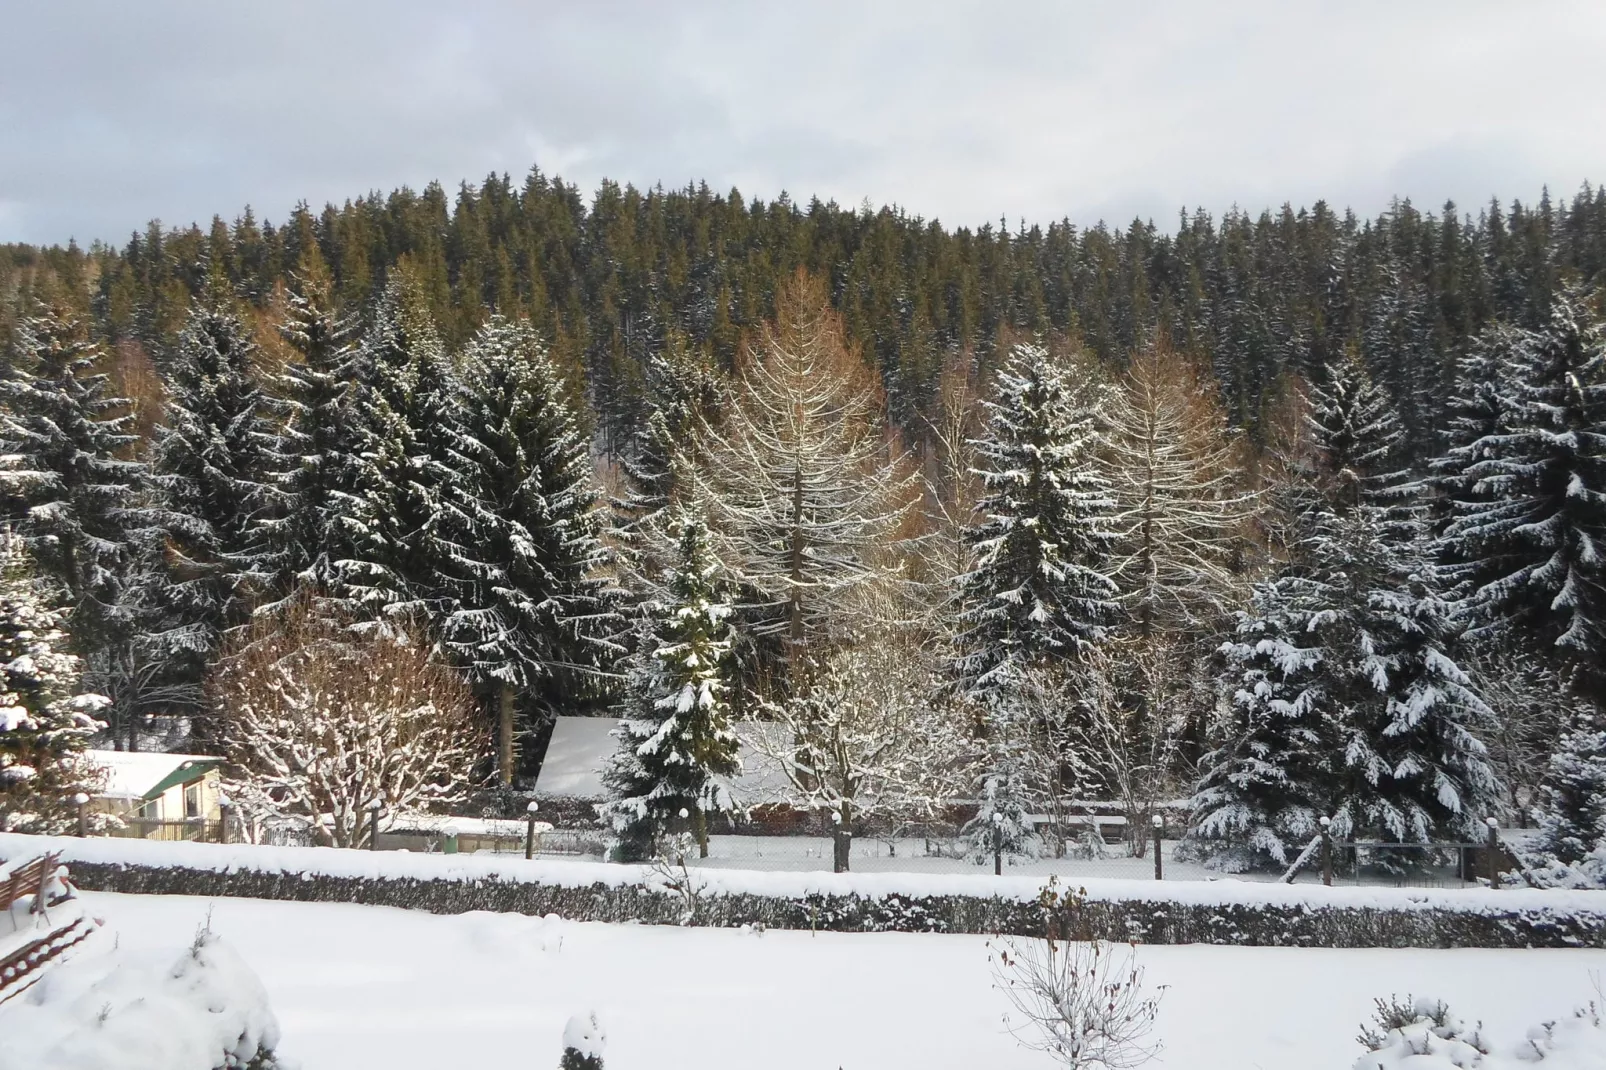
(161, 796)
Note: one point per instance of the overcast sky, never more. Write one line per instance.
(112, 113)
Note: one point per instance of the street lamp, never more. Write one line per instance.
(1158, 823)
(529, 832)
(1327, 850)
(81, 801)
(375, 808)
(998, 843)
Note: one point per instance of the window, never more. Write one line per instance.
(192, 800)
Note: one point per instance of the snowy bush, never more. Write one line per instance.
(1084, 1003)
(1406, 1029)
(583, 1043)
(321, 723)
(108, 1009)
(1423, 1034)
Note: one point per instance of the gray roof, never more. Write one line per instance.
(581, 747)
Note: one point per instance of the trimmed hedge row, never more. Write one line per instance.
(660, 902)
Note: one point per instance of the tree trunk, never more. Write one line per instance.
(504, 734)
(699, 829)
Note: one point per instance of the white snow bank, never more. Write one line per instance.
(337, 862)
(107, 1009)
(375, 988)
(1438, 1040)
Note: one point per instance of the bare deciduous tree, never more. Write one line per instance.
(320, 724)
(803, 488)
(1178, 481)
(866, 738)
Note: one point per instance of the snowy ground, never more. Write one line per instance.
(369, 986)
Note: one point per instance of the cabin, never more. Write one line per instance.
(160, 796)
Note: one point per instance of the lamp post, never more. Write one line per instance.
(1158, 823)
(81, 801)
(529, 831)
(1493, 824)
(375, 808)
(1327, 850)
(998, 844)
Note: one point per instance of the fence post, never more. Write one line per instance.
(1159, 831)
(1494, 851)
(529, 832)
(81, 801)
(1327, 850)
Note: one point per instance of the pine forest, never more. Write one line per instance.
(1294, 521)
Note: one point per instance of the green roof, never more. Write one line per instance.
(193, 769)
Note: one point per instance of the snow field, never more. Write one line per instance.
(357, 986)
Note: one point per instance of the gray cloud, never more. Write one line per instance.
(112, 113)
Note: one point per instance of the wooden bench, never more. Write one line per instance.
(22, 967)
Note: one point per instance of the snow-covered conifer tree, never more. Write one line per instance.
(45, 724)
(212, 464)
(1535, 527)
(314, 455)
(393, 512)
(1346, 699)
(1262, 792)
(1573, 806)
(1003, 796)
(678, 742)
(67, 439)
(535, 609)
(684, 390)
(1040, 587)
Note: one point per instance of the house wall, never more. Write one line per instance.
(167, 807)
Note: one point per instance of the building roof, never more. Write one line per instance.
(146, 774)
(581, 747)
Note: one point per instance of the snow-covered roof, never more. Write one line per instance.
(581, 747)
(137, 774)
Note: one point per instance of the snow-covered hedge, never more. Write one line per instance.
(1164, 912)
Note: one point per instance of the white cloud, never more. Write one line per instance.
(113, 113)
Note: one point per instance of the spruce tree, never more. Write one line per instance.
(45, 724)
(1478, 416)
(1261, 794)
(212, 464)
(394, 515)
(1573, 808)
(1039, 589)
(73, 487)
(679, 745)
(1538, 536)
(535, 611)
(313, 457)
(1347, 701)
